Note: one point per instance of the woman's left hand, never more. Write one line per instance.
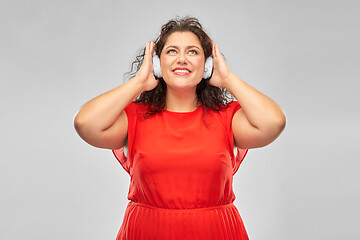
(221, 71)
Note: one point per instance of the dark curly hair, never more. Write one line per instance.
(212, 98)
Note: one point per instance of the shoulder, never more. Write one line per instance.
(233, 106)
(230, 109)
(136, 108)
(225, 113)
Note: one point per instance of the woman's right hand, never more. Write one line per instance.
(102, 121)
(146, 73)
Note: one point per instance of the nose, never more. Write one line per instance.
(182, 58)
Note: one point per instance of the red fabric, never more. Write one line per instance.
(181, 173)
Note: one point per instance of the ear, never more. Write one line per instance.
(156, 65)
(208, 67)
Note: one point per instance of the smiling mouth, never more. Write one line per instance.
(181, 71)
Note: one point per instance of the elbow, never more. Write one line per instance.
(79, 123)
(274, 125)
(85, 132)
(274, 130)
(279, 123)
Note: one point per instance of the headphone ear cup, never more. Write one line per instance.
(156, 65)
(208, 67)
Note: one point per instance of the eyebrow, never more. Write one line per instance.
(174, 46)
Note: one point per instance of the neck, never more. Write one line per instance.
(181, 101)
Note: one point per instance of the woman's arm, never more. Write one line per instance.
(102, 122)
(260, 120)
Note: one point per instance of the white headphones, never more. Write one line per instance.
(207, 71)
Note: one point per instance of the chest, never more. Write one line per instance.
(173, 144)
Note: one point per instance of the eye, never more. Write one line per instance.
(171, 51)
(193, 52)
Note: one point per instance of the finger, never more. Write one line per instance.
(149, 54)
(218, 54)
(146, 55)
(216, 51)
(152, 47)
(151, 51)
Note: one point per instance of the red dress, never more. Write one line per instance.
(181, 171)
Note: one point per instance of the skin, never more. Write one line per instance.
(260, 120)
(182, 50)
(102, 121)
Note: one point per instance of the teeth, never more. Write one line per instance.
(178, 70)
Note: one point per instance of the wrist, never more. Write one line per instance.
(228, 80)
(138, 84)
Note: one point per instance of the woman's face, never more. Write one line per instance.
(182, 61)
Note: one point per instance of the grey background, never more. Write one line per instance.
(56, 55)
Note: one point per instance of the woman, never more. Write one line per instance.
(180, 133)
